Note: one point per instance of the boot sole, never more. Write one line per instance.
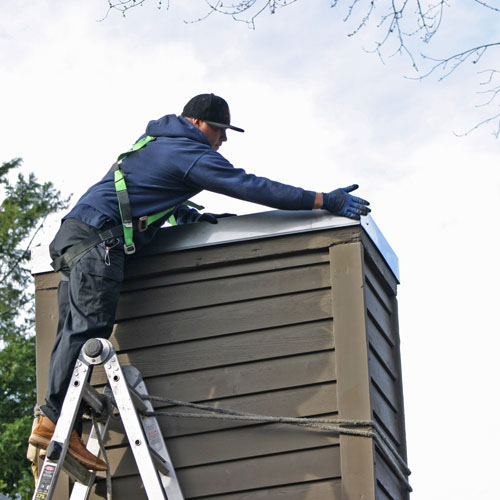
(41, 442)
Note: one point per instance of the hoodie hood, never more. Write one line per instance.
(175, 126)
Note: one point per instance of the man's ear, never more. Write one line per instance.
(196, 122)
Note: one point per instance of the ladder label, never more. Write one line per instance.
(45, 481)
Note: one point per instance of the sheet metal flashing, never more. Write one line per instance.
(242, 228)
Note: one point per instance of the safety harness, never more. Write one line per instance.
(124, 203)
(127, 227)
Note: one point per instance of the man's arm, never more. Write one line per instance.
(214, 173)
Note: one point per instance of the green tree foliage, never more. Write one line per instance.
(24, 206)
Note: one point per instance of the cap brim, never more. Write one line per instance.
(224, 125)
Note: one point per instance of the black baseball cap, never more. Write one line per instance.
(211, 109)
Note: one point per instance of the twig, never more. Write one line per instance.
(496, 133)
(488, 6)
(23, 255)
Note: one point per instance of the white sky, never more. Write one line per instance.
(319, 112)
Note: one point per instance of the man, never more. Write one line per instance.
(174, 160)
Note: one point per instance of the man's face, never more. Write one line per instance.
(215, 135)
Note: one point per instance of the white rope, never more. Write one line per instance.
(337, 426)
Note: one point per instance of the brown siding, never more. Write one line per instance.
(46, 323)
(250, 331)
(385, 368)
(297, 325)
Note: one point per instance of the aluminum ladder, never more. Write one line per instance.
(125, 386)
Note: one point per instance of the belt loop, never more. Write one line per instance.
(142, 223)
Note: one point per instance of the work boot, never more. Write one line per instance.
(42, 434)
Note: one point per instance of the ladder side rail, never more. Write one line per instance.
(81, 490)
(134, 430)
(155, 437)
(58, 447)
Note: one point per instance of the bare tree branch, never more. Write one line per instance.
(492, 73)
(450, 64)
(494, 92)
(488, 6)
(124, 5)
(399, 27)
(456, 60)
(23, 255)
(239, 9)
(495, 133)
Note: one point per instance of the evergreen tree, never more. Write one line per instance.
(24, 206)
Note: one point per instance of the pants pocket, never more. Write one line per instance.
(95, 289)
(97, 300)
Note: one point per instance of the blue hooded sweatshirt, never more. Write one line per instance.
(173, 168)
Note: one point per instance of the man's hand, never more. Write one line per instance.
(340, 202)
(212, 218)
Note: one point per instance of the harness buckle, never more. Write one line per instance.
(129, 249)
(142, 223)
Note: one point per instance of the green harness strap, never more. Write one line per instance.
(124, 202)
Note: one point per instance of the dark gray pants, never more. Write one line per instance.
(87, 298)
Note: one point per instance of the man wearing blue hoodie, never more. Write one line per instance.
(174, 160)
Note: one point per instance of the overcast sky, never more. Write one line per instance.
(319, 112)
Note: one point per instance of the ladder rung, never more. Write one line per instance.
(160, 462)
(76, 470)
(139, 403)
(95, 399)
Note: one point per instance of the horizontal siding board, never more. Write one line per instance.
(386, 415)
(378, 284)
(279, 247)
(388, 480)
(246, 442)
(224, 446)
(221, 291)
(320, 490)
(47, 281)
(386, 335)
(226, 270)
(320, 400)
(379, 314)
(381, 346)
(281, 472)
(382, 494)
(313, 490)
(399, 382)
(210, 386)
(231, 349)
(385, 383)
(295, 467)
(254, 377)
(223, 319)
(374, 259)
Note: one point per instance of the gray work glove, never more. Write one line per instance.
(212, 218)
(340, 202)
